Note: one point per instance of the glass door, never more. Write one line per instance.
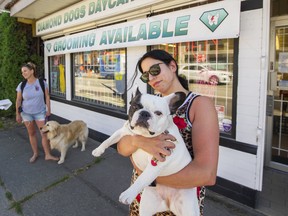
(277, 118)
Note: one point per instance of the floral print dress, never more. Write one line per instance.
(181, 119)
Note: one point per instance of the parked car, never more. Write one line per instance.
(198, 72)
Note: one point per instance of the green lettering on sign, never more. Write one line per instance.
(181, 27)
(154, 30)
(142, 34)
(166, 33)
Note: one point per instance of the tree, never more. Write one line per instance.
(15, 50)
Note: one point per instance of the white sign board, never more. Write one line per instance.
(212, 21)
(87, 11)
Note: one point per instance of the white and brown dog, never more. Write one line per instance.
(150, 116)
(63, 136)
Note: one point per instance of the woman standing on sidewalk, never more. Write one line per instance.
(197, 122)
(31, 109)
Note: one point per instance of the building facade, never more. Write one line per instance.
(234, 51)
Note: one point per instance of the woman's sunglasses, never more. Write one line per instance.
(154, 70)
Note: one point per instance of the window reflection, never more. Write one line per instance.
(100, 77)
(57, 75)
(208, 66)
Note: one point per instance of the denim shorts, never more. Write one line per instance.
(34, 117)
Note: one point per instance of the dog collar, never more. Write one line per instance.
(54, 136)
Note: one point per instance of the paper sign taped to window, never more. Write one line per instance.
(283, 62)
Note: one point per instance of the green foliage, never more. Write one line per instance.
(39, 62)
(15, 50)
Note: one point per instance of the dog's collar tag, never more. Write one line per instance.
(154, 162)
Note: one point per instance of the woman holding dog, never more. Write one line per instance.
(31, 109)
(197, 122)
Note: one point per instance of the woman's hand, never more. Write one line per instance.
(159, 146)
(48, 113)
(18, 118)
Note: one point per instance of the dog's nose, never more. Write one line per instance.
(143, 118)
(144, 115)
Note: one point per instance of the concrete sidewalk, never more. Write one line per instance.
(81, 186)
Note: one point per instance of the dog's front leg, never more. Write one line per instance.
(63, 151)
(145, 179)
(114, 138)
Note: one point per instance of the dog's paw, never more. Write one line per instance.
(127, 197)
(97, 152)
(60, 161)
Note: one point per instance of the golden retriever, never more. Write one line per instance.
(62, 136)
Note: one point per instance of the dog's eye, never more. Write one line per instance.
(158, 113)
(137, 107)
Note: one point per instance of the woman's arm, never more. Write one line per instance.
(17, 105)
(47, 96)
(156, 146)
(202, 170)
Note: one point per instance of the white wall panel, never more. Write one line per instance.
(247, 68)
(68, 77)
(249, 110)
(247, 132)
(238, 167)
(96, 121)
(248, 98)
(249, 80)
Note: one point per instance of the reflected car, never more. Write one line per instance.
(107, 71)
(203, 73)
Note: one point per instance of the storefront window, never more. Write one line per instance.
(208, 66)
(99, 77)
(57, 75)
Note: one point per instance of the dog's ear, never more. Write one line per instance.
(175, 100)
(58, 128)
(137, 93)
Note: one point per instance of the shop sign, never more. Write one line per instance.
(212, 21)
(87, 11)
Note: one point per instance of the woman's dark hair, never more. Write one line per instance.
(31, 66)
(163, 56)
